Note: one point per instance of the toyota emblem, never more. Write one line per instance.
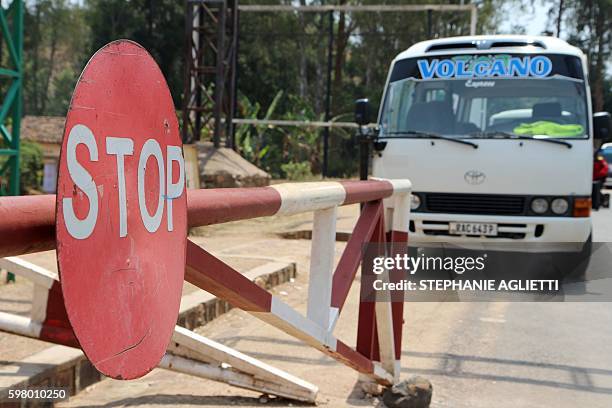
(474, 177)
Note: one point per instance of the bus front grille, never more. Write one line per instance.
(483, 204)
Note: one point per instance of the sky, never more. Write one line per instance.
(533, 19)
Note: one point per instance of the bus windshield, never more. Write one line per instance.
(485, 107)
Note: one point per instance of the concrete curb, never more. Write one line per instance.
(61, 366)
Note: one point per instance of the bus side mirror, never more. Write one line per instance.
(601, 126)
(362, 111)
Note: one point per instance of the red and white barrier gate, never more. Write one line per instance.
(121, 219)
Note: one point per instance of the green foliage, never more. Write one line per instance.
(31, 166)
(250, 140)
(286, 52)
(268, 146)
(282, 61)
(159, 26)
(55, 50)
(297, 171)
(63, 85)
(588, 26)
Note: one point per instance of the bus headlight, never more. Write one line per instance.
(415, 201)
(539, 205)
(559, 206)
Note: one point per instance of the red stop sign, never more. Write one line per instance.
(121, 212)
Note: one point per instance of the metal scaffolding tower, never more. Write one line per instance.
(11, 78)
(210, 74)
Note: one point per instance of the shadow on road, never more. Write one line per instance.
(451, 365)
(207, 400)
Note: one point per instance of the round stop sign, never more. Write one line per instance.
(121, 212)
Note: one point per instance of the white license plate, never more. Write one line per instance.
(472, 228)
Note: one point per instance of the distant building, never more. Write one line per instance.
(47, 131)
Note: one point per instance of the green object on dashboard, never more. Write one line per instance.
(544, 127)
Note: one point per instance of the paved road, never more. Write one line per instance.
(517, 354)
(485, 355)
(602, 221)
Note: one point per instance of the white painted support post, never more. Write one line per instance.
(42, 279)
(21, 325)
(401, 212)
(388, 218)
(31, 272)
(401, 222)
(397, 218)
(322, 254)
(384, 328)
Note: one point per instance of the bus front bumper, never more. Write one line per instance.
(435, 228)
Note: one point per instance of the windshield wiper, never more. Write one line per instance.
(430, 135)
(509, 135)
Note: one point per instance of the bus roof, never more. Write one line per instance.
(486, 44)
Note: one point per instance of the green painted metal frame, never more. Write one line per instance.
(11, 29)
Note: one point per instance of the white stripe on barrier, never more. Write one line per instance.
(399, 219)
(334, 315)
(399, 185)
(290, 321)
(40, 296)
(28, 270)
(229, 376)
(21, 325)
(42, 278)
(384, 328)
(380, 372)
(401, 214)
(322, 254)
(304, 197)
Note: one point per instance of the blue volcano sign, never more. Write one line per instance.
(465, 67)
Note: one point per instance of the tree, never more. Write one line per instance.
(589, 27)
(157, 25)
(55, 42)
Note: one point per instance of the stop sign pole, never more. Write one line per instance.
(121, 220)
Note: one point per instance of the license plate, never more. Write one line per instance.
(472, 228)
